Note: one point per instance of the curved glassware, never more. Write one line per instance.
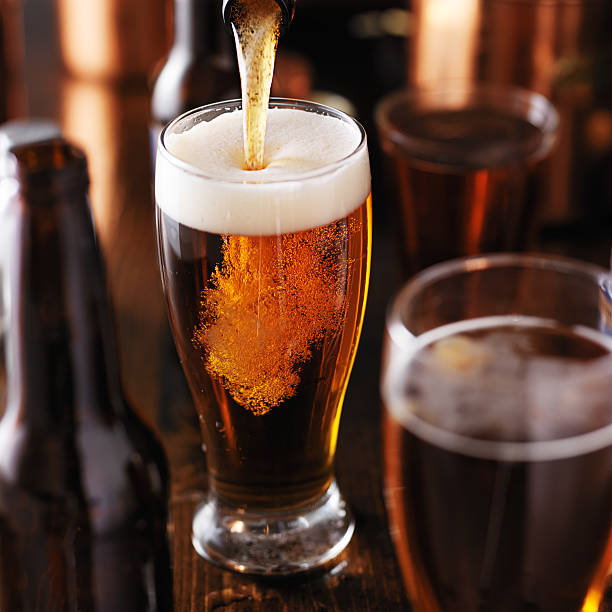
(464, 167)
(497, 384)
(266, 279)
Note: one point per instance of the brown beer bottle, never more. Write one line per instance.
(83, 483)
(200, 67)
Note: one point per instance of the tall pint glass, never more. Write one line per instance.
(497, 384)
(266, 275)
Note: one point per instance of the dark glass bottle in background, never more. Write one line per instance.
(83, 483)
(200, 67)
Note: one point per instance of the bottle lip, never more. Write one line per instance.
(47, 168)
(18, 132)
(287, 8)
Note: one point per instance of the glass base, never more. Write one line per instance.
(273, 544)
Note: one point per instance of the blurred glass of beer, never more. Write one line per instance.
(462, 167)
(497, 383)
(266, 274)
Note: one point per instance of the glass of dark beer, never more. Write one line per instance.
(497, 384)
(266, 274)
(462, 168)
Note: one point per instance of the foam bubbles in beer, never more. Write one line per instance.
(273, 200)
(508, 379)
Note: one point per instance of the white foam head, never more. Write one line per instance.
(317, 170)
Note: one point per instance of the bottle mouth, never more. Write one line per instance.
(24, 131)
(47, 168)
(287, 8)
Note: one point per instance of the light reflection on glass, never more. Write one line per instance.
(110, 122)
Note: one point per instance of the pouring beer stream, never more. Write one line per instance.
(256, 26)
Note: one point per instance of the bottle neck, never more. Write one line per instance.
(287, 9)
(61, 359)
(193, 31)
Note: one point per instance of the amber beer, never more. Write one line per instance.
(266, 276)
(463, 169)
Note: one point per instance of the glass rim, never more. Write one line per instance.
(497, 450)
(489, 261)
(534, 107)
(236, 104)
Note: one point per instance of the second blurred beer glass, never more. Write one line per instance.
(461, 162)
(497, 383)
(266, 274)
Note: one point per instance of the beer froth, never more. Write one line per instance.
(301, 186)
(505, 379)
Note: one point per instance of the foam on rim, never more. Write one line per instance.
(393, 393)
(317, 171)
